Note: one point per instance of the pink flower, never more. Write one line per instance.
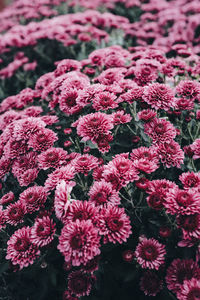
(150, 283)
(67, 101)
(171, 154)
(183, 202)
(85, 163)
(113, 224)
(91, 126)
(15, 213)
(159, 96)
(120, 117)
(79, 283)
(66, 65)
(65, 173)
(62, 198)
(179, 271)
(52, 158)
(188, 89)
(160, 130)
(79, 242)
(195, 147)
(33, 198)
(7, 198)
(104, 101)
(42, 232)
(21, 251)
(190, 225)
(150, 253)
(81, 210)
(2, 218)
(146, 115)
(190, 180)
(190, 290)
(102, 192)
(27, 177)
(42, 139)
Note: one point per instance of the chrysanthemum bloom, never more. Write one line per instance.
(7, 198)
(67, 101)
(103, 142)
(42, 232)
(24, 128)
(5, 165)
(133, 94)
(189, 89)
(2, 218)
(195, 147)
(113, 224)
(81, 210)
(42, 139)
(146, 70)
(146, 115)
(179, 271)
(159, 96)
(104, 101)
(150, 283)
(92, 265)
(128, 255)
(102, 192)
(66, 65)
(111, 76)
(190, 180)
(171, 154)
(160, 130)
(190, 225)
(184, 104)
(150, 253)
(62, 198)
(15, 213)
(79, 283)
(85, 163)
(65, 173)
(190, 290)
(33, 198)
(145, 166)
(184, 202)
(52, 158)
(21, 251)
(120, 117)
(121, 168)
(27, 177)
(79, 242)
(157, 190)
(24, 163)
(86, 95)
(91, 126)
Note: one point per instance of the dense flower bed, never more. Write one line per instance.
(100, 188)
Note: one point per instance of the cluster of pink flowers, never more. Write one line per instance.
(93, 146)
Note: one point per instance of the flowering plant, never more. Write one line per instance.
(100, 189)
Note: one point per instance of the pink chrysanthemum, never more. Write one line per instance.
(52, 158)
(33, 198)
(64, 173)
(15, 213)
(150, 253)
(146, 115)
(145, 165)
(160, 130)
(195, 147)
(79, 242)
(120, 117)
(184, 104)
(62, 198)
(190, 225)
(27, 177)
(42, 232)
(81, 210)
(85, 163)
(179, 271)
(104, 101)
(2, 217)
(190, 180)
(150, 283)
(67, 101)
(184, 202)
(159, 96)
(79, 283)
(21, 251)
(91, 126)
(120, 171)
(190, 290)
(42, 139)
(7, 198)
(189, 89)
(171, 154)
(102, 192)
(113, 224)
